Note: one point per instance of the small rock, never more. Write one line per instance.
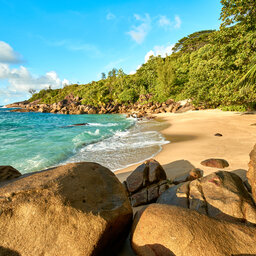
(216, 163)
(80, 124)
(218, 134)
(194, 174)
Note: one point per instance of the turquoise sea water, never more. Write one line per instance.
(35, 141)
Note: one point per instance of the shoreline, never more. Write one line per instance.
(192, 140)
(111, 137)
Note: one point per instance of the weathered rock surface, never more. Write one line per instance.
(76, 209)
(216, 163)
(148, 173)
(221, 195)
(7, 172)
(146, 183)
(251, 174)
(163, 230)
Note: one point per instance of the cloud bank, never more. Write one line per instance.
(19, 80)
(7, 54)
(161, 50)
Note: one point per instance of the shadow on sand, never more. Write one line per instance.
(8, 252)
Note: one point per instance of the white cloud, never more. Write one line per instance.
(21, 80)
(168, 24)
(147, 56)
(4, 70)
(6, 100)
(110, 16)
(164, 21)
(134, 71)
(7, 54)
(161, 50)
(139, 33)
(177, 22)
(15, 82)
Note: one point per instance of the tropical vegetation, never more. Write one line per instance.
(215, 69)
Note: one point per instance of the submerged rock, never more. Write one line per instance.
(76, 209)
(169, 230)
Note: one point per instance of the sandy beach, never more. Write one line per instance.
(192, 140)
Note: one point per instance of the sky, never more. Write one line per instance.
(49, 42)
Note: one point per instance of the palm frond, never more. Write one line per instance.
(250, 76)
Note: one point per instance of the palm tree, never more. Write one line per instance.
(250, 77)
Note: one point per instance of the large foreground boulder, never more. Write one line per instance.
(76, 209)
(251, 174)
(221, 195)
(163, 230)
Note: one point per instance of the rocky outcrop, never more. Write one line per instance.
(76, 209)
(215, 163)
(73, 105)
(146, 183)
(20, 104)
(7, 172)
(221, 195)
(251, 174)
(169, 230)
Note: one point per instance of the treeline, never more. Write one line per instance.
(209, 67)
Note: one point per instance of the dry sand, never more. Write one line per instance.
(192, 140)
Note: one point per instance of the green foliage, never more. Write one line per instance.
(243, 11)
(193, 41)
(212, 68)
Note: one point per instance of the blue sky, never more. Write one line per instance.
(46, 42)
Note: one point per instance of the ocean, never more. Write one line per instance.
(36, 141)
